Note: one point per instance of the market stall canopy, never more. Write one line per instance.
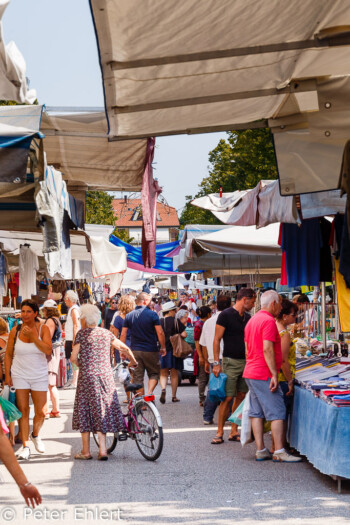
(242, 248)
(106, 261)
(241, 240)
(13, 80)
(196, 285)
(264, 205)
(192, 231)
(76, 143)
(213, 65)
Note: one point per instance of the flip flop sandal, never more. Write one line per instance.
(217, 440)
(81, 456)
(102, 457)
(236, 438)
(175, 400)
(54, 414)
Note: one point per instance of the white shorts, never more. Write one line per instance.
(41, 385)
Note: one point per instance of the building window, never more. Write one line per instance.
(137, 215)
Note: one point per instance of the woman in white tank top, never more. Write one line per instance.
(26, 369)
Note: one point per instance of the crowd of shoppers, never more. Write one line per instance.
(255, 352)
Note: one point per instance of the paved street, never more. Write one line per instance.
(192, 482)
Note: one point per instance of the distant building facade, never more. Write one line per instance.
(129, 219)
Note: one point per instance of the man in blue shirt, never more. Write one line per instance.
(145, 331)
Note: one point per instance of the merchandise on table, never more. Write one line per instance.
(328, 379)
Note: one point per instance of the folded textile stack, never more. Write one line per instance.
(328, 379)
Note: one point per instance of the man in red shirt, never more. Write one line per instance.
(263, 362)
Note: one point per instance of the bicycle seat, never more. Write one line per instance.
(133, 388)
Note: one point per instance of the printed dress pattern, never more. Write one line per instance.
(96, 406)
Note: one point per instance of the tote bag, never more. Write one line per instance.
(180, 347)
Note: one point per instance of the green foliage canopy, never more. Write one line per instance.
(99, 209)
(237, 163)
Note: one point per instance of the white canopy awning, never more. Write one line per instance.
(212, 65)
(77, 144)
(226, 65)
(241, 248)
(13, 80)
(242, 240)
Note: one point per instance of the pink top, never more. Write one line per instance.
(261, 327)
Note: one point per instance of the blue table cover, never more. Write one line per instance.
(321, 432)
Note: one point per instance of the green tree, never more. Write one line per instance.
(123, 235)
(99, 208)
(237, 163)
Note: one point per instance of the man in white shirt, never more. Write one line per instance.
(206, 341)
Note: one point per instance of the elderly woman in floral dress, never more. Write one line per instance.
(96, 407)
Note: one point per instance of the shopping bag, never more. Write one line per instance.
(11, 413)
(246, 430)
(216, 388)
(236, 416)
(5, 392)
(3, 422)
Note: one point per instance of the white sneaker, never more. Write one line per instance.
(38, 444)
(23, 453)
(285, 457)
(262, 455)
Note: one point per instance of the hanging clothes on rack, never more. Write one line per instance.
(28, 266)
(3, 274)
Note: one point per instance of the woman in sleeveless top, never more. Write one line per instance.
(168, 362)
(286, 375)
(26, 369)
(52, 321)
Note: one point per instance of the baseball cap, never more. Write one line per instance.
(50, 303)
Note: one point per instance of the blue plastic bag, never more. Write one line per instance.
(216, 388)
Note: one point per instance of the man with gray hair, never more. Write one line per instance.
(263, 362)
(145, 331)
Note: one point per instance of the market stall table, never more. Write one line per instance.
(321, 432)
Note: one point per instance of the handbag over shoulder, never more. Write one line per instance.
(180, 347)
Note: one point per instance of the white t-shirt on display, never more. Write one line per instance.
(28, 266)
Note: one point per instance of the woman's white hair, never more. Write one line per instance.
(269, 297)
(91, 314)
(180, 314)
(72, 296)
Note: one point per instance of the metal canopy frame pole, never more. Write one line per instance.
(324, 316)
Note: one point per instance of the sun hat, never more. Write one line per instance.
(170, 305)
(50, 303)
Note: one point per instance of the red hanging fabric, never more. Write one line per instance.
(149, 195)
(284, 278)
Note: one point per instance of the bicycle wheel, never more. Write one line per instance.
(111, 441)
(149, 438)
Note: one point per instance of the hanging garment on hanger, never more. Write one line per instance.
(302, 247)
(28, 266)
(3, 274)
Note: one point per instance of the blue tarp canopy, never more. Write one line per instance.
(163, 264)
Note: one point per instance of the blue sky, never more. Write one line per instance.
(57, 41)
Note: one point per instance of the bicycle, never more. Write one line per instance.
(142, 421)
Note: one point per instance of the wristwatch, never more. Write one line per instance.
(216, 363)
